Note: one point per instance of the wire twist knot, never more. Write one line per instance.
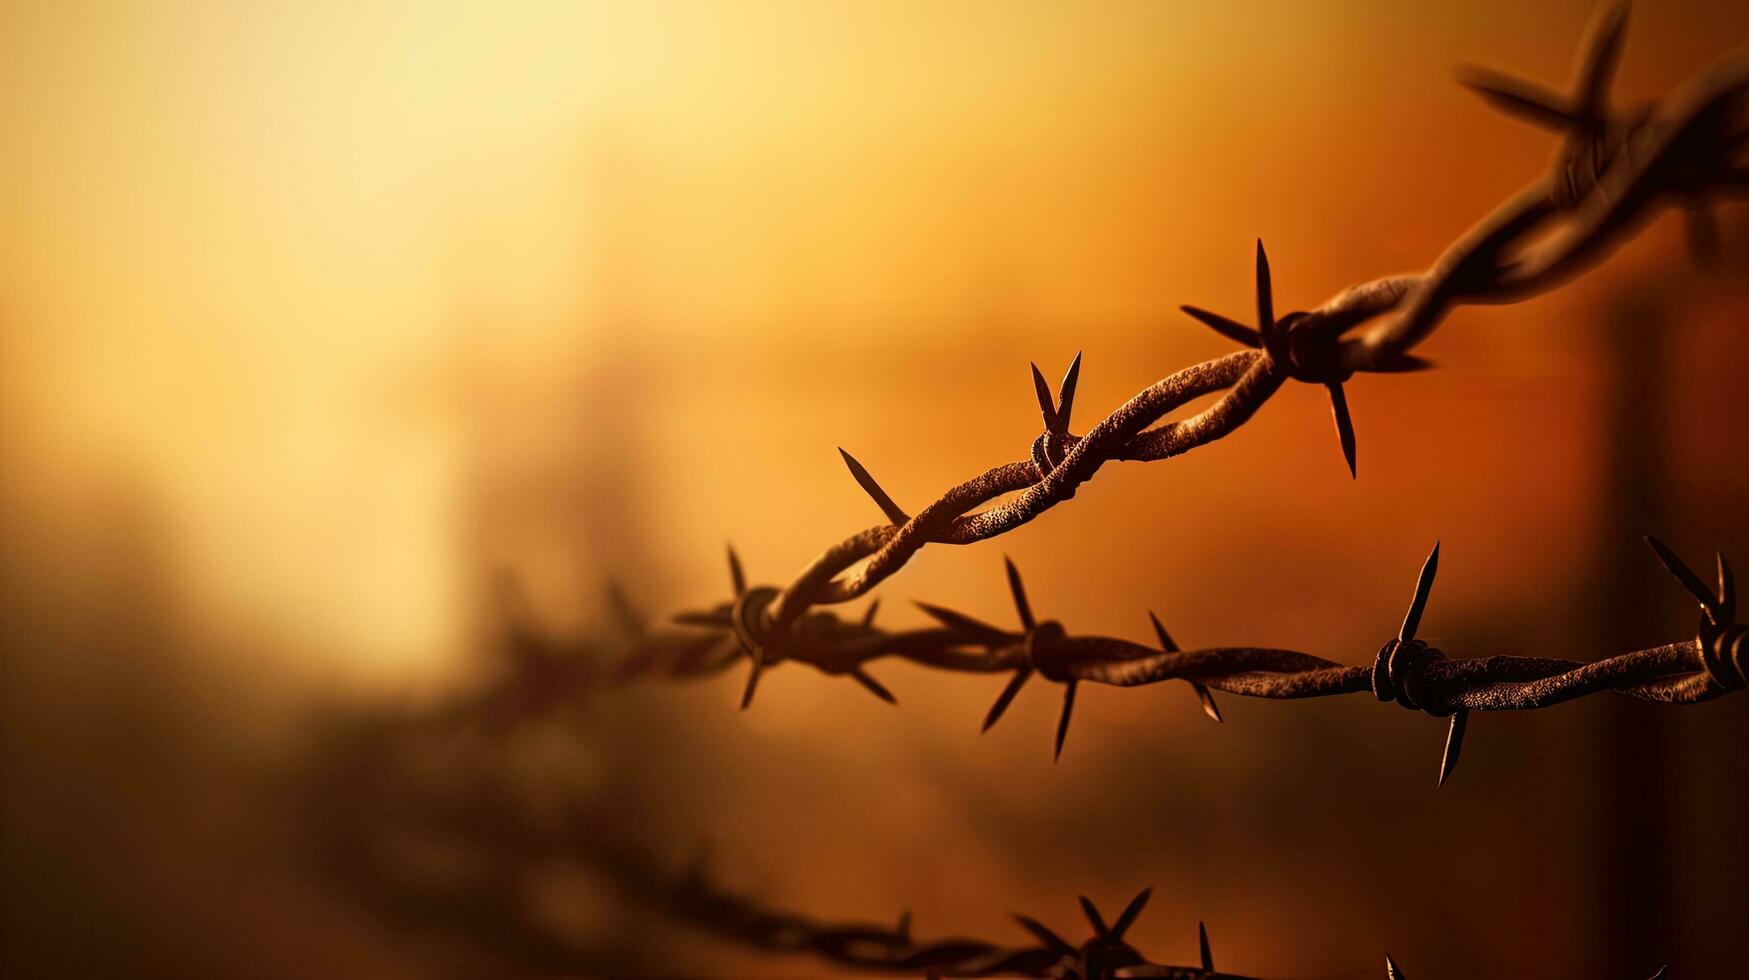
(1399, 673)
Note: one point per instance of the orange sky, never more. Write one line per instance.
(357, 304)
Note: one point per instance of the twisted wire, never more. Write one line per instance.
(1405, 670)
(1615, 169)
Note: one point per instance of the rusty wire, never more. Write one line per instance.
(1405, 669)
(1615, 167)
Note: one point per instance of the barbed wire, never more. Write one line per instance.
(1613, 169)
(1405, 670)
(368, 803)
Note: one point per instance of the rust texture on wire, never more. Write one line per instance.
(1614, 169)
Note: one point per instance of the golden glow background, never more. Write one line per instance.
(316, 317)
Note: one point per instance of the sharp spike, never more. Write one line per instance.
(876, 687)
(904, 929)
(1094, 919)
(1392, 970)
(1402, 364)
(1344, 424)
(1044, 935)
(1265, 294)
(1066, 396)
(1015, 683)
(1127, 917)
(1019, 590)
(1423, 587)
(868, 615)
(1599, 55)
(737, 578)
(758, 656)
(1727, 592)
(1454, 744)
(1230, 329)
(1046, 405)
(1160, 633)
(1209, 707)
(975, 630)
(1685, 575)
(1202, 938)
(1063, 720)
(892, 510)
(1521, 100)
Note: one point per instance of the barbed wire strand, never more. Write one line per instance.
(369, 808)
(1614, 168)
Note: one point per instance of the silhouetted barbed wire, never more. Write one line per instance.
(1613, 169)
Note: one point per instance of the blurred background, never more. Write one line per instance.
(318, 320)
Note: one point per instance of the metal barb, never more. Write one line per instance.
(1046, 404)
(1454, 744)
(1521, 100)
(1094, 919)
(876, 687)
(868, 615)
(1265, 295)
(1041, 932)
(1727, 591)
(1063, 720)
(973, 629)
(1006, 697)
(1160, 633)
(1207, 697)
(1586, 110)
(1202, 941)
(1599, 54)
(737, 577)
(1203, 694)
(1130, 912)
(1423, 587)
(1066, 393)
(1231, 329)
(1344, 424)
(1392, 970)
(758, 655)
(1709, 603)
(1018, 589)
(895, 514)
